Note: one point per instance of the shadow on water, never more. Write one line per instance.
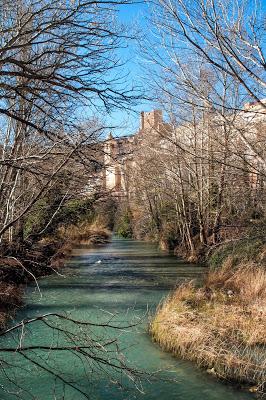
(126, 278)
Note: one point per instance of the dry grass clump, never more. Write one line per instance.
(70, 236)
(247, 283)
(61, 247)
(221, 326)
(88, 233)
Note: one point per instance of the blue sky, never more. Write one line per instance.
(132, 16)
(130, 74)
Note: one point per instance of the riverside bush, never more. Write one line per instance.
(124, 225)
(71, 213)
(247, 249)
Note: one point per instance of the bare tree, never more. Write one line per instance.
(213, 157)
(54, 56)
(92, 347)
(228, 35)
(57, 60)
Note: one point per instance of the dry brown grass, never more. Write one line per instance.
(221, 326)
(87, 233)
(68, 237)
(248, 281)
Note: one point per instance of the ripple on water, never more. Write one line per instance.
(124, 277)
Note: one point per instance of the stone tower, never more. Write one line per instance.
(120, 153)
(151, 120)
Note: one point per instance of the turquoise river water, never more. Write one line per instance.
(120, 282)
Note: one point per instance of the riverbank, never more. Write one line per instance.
(222, 325)
(23, 264)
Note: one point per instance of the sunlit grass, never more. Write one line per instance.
(221, 326)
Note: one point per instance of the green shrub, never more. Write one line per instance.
(124, 224)
(71, 213)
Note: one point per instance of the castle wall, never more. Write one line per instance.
(118, 152)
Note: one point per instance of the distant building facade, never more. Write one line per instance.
(120, 153)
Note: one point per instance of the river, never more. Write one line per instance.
(123, 280)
